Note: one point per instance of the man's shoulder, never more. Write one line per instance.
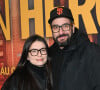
(52, 49)
(93, 48)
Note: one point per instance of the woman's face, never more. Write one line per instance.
(37, 54)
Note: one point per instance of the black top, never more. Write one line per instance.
(39, 73)
(77, 66)
(28, 77)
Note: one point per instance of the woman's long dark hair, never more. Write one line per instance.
(23, 58)
(31, 80)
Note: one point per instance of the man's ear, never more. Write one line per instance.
(73, 28)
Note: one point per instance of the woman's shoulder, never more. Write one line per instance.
(14, 79)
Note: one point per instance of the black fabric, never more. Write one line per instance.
(39, 73)
(77, 66)
(29, 77)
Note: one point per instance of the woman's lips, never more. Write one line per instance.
(39, 59)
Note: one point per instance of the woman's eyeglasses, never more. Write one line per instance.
(34, 52)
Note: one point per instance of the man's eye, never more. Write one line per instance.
(66, 25)
(55, 27)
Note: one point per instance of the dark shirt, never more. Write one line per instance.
(28, 77)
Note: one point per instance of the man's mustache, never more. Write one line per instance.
(63, 35)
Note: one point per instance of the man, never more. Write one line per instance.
(75, 61)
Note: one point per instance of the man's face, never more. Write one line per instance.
(62, 30)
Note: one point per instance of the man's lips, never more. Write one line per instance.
(62, 38)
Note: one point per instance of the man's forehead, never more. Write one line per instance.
(61, 20)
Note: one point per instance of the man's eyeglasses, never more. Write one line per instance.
(34, 52)
(64, 27)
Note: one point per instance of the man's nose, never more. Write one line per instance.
(61, 31)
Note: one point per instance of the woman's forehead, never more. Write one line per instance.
(37, 45)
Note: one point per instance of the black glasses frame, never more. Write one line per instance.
(37, 51)
(61, 27)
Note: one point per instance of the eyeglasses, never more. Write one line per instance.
(64, 27)
(34, 52)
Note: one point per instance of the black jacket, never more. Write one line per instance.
(77, 66)
(28, 77)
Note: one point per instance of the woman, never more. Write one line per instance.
(32, 71)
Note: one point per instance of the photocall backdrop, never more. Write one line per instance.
(20, 19)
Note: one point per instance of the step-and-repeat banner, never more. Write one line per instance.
(20, 19)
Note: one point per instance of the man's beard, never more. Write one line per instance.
(62, 44)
